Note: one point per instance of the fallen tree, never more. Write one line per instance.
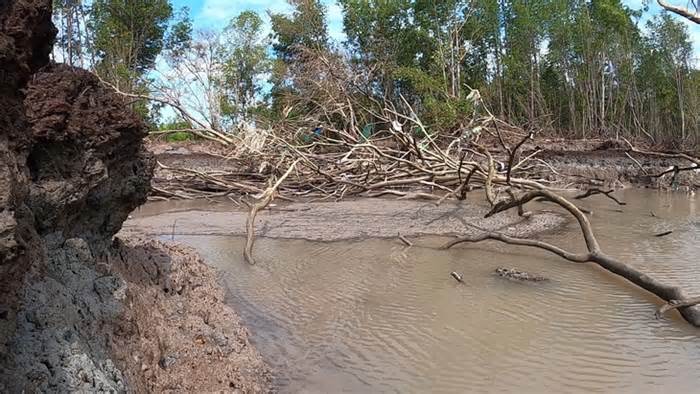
(405, 159)
(262, 201)
(673, 295)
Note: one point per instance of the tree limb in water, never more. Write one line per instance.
(594, 254)
(675, 304)
(594, 191)
(265, 198)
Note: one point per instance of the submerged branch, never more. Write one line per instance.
(671, 294)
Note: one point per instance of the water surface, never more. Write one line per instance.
(374, 316)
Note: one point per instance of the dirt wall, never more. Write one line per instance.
(72, 168)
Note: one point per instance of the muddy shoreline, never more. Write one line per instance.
(337, 221)
(79, 311)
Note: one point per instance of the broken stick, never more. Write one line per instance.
(405, 240)
(262, 201)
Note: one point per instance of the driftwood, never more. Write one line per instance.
(594, 253)
(457, 277)
(606, 193)
(405, 240)
(262, 201)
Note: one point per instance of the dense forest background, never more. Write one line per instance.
(573, 68)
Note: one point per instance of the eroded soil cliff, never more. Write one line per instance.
(78, 310)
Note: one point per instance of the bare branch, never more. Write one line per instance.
(684, 12)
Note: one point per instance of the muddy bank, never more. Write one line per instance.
(613, 168)
(75, 307)
(334, 221)
(145, 317)
(175, 332)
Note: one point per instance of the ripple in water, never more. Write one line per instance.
(373, 316)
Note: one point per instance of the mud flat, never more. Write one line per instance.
(334, 221)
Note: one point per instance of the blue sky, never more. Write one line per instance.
(216, 13)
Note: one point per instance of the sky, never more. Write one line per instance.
(215, 14)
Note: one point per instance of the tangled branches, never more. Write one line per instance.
(343, 142)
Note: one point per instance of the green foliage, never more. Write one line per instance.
(584, 67)
(179, 38)
(438, 110)
(581, 66)
(244, 57)
(129, 33)
(179, 136)
(305, 28)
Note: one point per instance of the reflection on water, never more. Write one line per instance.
(373, 316)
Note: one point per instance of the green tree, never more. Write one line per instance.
(304, 30)
(128, 37)
(666, 74)
(245, 63)
(70, 17)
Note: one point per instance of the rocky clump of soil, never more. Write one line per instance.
(74, 307)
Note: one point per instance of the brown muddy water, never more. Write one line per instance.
(375, 316)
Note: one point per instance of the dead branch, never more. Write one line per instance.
(675, 304)
(594, 191)
(678, 155)
(684, 12)
(405, 240)
(594, 253)
(457, 277)
(637, 163)
(262, 201)
(663, 234)
(511, 154)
